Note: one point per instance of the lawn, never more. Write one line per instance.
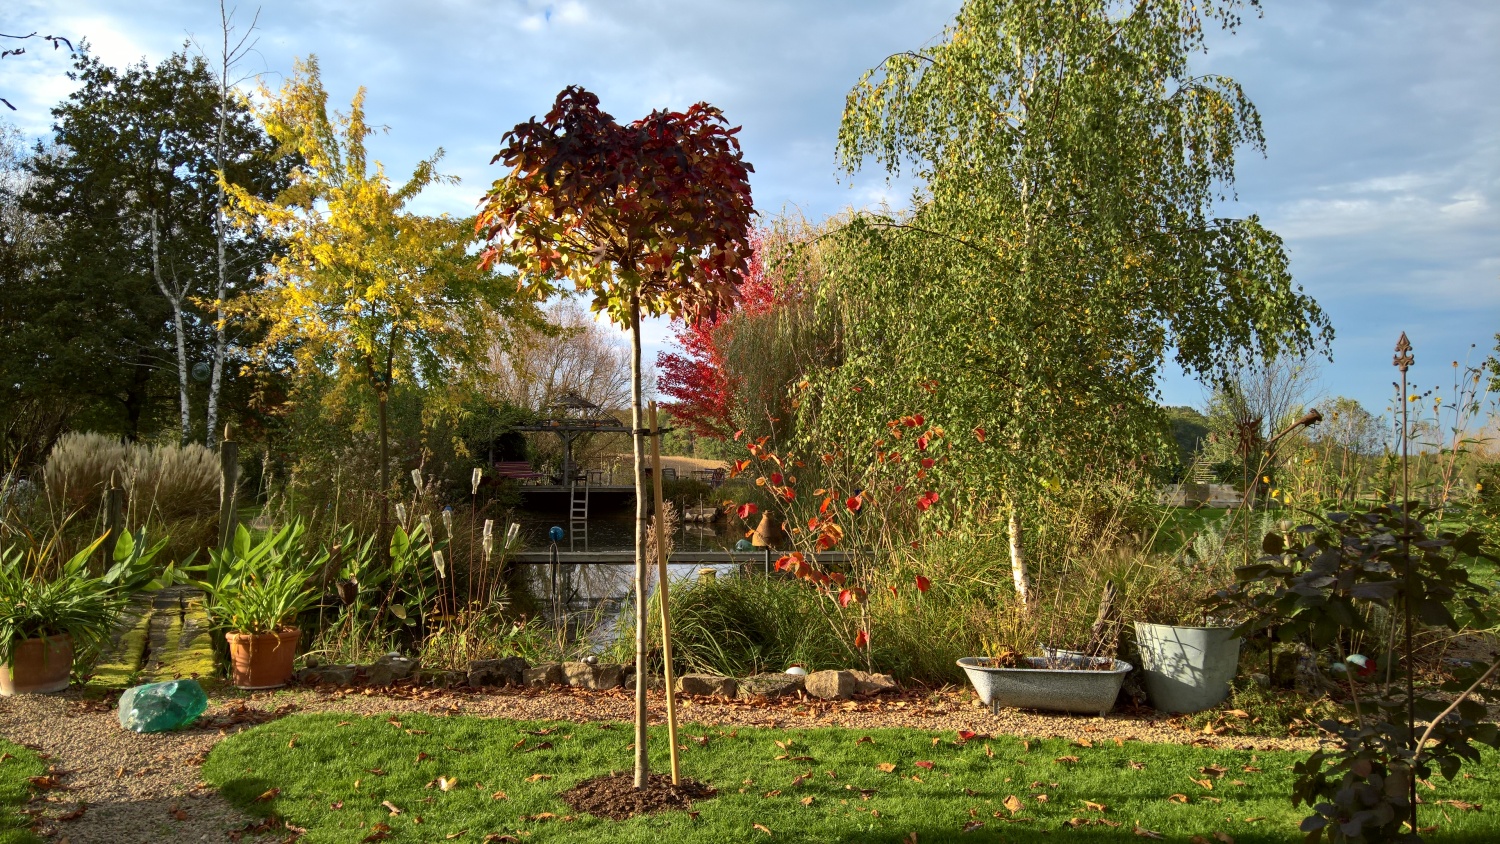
(17, 766)
(340, 777)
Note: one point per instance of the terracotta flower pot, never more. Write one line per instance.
(39, 666)
(262, 660)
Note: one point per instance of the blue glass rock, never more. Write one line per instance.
(158, 707)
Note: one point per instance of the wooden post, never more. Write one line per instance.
(661, 591)
(114, 522)
(229, 481)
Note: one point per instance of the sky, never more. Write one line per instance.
(1382, 167)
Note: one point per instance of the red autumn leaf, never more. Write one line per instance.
(927, 462)
(979, 434)
(918, 419)
(739, 466)
(928, 499)
(893, 591)
(924, 765)
(861, 639)
(845, 596)
(965, 735)
(922, 443)
(787, 493)
(837, 577)
(827, 541)
(827, 500)
(783, 563)
(854, 502)
(776, 478)
(738, 434)
(923, 584)
(747, 510)
(860, 595)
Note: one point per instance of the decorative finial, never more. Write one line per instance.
(1403, 358)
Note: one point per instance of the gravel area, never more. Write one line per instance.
(146, 788)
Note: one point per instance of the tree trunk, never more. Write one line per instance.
(383, 540)
(217, 374)
(1017, 558)
(642, 764)
(174, 295)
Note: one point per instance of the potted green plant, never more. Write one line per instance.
(254, 591)
(49, 613)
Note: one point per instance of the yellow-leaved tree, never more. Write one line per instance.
(363, 288)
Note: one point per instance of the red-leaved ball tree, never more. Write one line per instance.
(647, 218)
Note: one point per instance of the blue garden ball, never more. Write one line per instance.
(556, 533)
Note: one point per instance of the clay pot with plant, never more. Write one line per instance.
(255, 593)
(49, 612)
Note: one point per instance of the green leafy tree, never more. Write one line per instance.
(127, 192)
(362, 287)
(1062, 245)
(650, 218)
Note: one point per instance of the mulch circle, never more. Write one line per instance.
(616, 797)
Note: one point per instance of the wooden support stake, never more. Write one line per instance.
(661, 590)
(114, 523)
(229, 481)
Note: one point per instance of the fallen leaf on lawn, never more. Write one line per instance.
(1198, 839)
(1205, 783)
(1238, 713)
(497, 838)
(784, 745)
(1250, 769)
(268, 794)
(1066, 760)
(1236, 782)
(936, 740)
(923, 764)
(989, 751)
(776, 792)
(336, 805)
(801, 778)
(761, 828)
(1213, 771)
(292, 742)
(46, 783)
(911, 838)
(864, 740)
(1256, 819)
(391, 806)
(965, 735)
(546, 745)
(540, 816)
(1040, 798)
(1461, 805)
(1223, 838)
(887, 766)
(379, 772)
(1096, 807)
(294, 829)
(452, 835)
(1210, 798)
(1146, 833)
(446, 783)
(1026, 746)
(179, 814)
(420, 756)
(538, 777)
(1013, 804)
(1178, 798)
(499, 795)
(973, 825)
(808, 800)
(1139, 766)
(1083, 742)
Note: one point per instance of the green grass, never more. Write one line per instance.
(334, 771)
(15, 789)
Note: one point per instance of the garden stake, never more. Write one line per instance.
(229, 474)
(1402, 360)
(661, 589)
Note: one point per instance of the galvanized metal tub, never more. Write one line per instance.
(1187, 669)
(1061, 684)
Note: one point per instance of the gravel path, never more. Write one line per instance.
(146, 788)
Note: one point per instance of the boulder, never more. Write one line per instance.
(868, 683)
(388, 669)
(443, 679)
(158, 707)
(706, 684)
(832, 685)
(497, 672)
(545, 674)
(770, 686)
(338, 675)
(586, 675)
